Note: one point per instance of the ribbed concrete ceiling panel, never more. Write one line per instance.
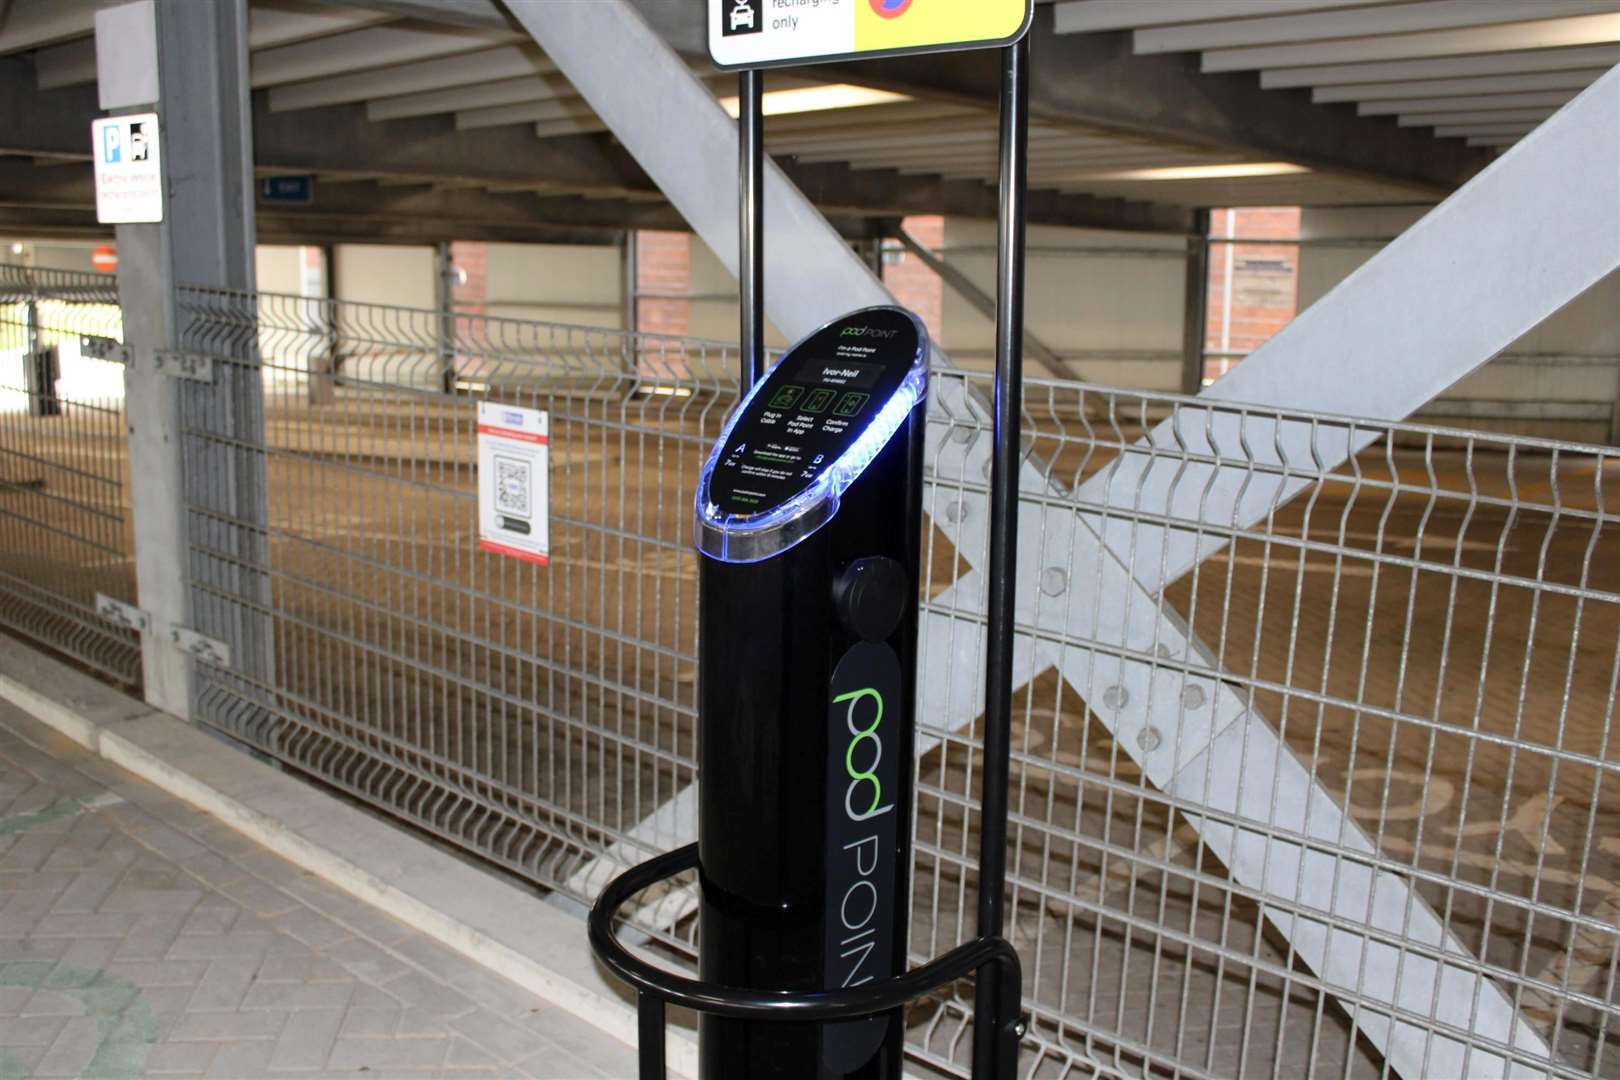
(1509, 37)
(1435, 89)
(1484, 70)
(462, 69)
(286, 22)
(374, 47)
(1405, 107)
(1355, 23)
(30, 24)
(1103, 15)
(1518, 61)
(1481, 70)
(481, 95)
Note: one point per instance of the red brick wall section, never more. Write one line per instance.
(663, 265)
(471, 257)
(1264, 294)
(913, 284)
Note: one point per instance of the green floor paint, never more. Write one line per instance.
(124, 1020)
(64, 807)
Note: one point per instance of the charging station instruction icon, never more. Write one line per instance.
(786, 397)
(763, 33)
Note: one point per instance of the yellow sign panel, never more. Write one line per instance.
(766, 33)
(892, 25)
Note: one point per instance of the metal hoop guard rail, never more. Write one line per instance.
(657, 988)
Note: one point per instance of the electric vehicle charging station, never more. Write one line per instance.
(809, 519)
(808, 524)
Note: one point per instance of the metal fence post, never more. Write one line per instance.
(199, 52)
(1195, 310)
(325, 365)
(31, 313)
(445, 287)
(751, 222)
(991, 1009)
(39, 376)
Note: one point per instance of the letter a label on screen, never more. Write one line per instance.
(766, 33)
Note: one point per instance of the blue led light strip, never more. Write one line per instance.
(747, 538)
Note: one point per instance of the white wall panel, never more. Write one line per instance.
(718, 320)
(385, 274)
(579, 285)
(1117, 313)
(277, 268)
(1566, 367)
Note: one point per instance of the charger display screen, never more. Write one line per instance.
(813, 407)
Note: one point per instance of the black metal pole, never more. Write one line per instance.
(751, 232)
(650, 1035)
(991, 1014)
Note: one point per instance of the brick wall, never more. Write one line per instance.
(1264, 293)
(471, 258)
(663, 265)
(913, 284)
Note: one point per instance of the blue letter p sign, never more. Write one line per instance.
(112, 144)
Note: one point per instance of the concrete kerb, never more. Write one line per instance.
(491, 922)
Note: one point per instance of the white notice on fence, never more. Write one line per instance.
(129, 169)
(513, 484)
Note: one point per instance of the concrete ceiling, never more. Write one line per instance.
(1376, 102)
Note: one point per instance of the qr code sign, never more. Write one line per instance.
(513, 479)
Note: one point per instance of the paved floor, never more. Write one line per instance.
(140, 937)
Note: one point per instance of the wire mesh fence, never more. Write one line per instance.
(530, 714)
(1311, 768)
(1316, 734)
(64, 509)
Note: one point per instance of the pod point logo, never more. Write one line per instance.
(891, 9)
(865, 792)
(867, 331)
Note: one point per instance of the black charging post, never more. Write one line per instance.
(808, 521)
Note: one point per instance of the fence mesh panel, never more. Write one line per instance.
(1431, 627)
(1264, 658)
(64, 465)
(532, 714)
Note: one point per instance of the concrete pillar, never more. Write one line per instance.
(188, 62)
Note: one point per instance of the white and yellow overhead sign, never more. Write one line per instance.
(766, 33)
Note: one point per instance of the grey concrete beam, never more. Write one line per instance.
(366, 212)
(63, 198)
(38, 222)
(49, 122)
(479, 14)
(45, 222)
(835, 186)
